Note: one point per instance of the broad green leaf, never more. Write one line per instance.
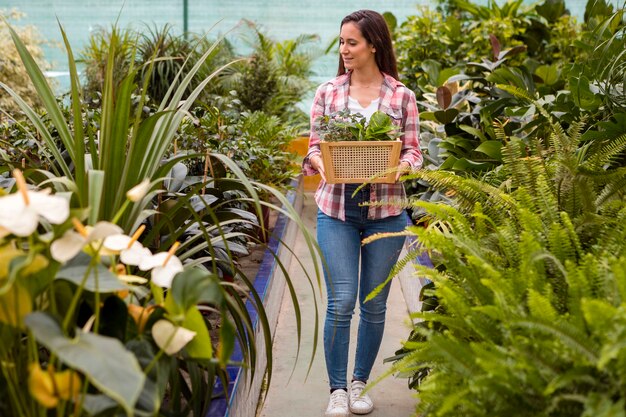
(193, 286)
(104, 361)
(92, 278)
(449, 162)
(445, 74)
(200, 346)
(491, 148)
(95, 404)
(446, 116)
(474, 132)
(582, 94)
(465, 164)
(156, 381)
(548, 73)
(428, 115)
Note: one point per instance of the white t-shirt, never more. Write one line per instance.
(355, 107)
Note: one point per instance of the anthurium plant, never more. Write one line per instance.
(346, 126)
(78, 323)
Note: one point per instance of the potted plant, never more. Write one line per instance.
(355, 151)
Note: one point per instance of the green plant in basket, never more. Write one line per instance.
(344, 126)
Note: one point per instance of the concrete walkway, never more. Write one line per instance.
(300, 396)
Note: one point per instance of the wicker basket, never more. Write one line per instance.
(356, 162)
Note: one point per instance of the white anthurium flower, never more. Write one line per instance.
(131, 252)
(72, 242)
(164, 266)
(139, 191)
(20, 212)
(171, 338)
(135, 254)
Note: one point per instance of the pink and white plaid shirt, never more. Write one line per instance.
(398, 102)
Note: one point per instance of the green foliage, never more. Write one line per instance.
(256, 141)
(344, 126)
(58, 272)
(160, 57)
(258, 84)
(573, 70)
(529, 283)
(95, 57)
(276, 76)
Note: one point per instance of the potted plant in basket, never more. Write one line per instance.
(355, 151)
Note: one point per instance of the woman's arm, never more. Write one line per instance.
(314, 153)
(411, 153)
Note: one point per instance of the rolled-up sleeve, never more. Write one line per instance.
(317, 110)
(411, 152)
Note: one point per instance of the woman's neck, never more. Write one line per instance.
(366, 78)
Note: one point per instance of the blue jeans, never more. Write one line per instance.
(340, 243)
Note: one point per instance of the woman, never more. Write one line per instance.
(367, 81)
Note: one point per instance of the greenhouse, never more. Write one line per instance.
(268, 209)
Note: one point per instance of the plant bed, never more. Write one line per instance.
(269, 282)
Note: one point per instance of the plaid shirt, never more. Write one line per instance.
(398, 102)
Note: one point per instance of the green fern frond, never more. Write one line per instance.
(540, 307)
(618, 269)
(565, 333)
(576, 130)
(607, 154)
(399, 266)
(467, 192)
(457, 353)
(444, 213)
(498, 128)
(485, 326)
(560, 245)
(613, 189)
(613, 234)
(507, 241)
(566, 222)
(512, 151)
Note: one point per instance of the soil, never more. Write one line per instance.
(251, 263)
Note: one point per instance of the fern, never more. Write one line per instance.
(605, 155)
(564, 333)
(530, 281)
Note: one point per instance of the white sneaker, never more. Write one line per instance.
(338, 404)
(360, 403)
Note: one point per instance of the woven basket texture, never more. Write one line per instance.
(357, 162)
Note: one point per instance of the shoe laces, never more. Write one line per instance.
(356, 389)
(338, 399)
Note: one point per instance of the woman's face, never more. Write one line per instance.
(355, 51)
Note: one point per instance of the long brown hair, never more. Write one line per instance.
(376, 32)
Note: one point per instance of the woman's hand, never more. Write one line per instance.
(318, 164)
(403, 168)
